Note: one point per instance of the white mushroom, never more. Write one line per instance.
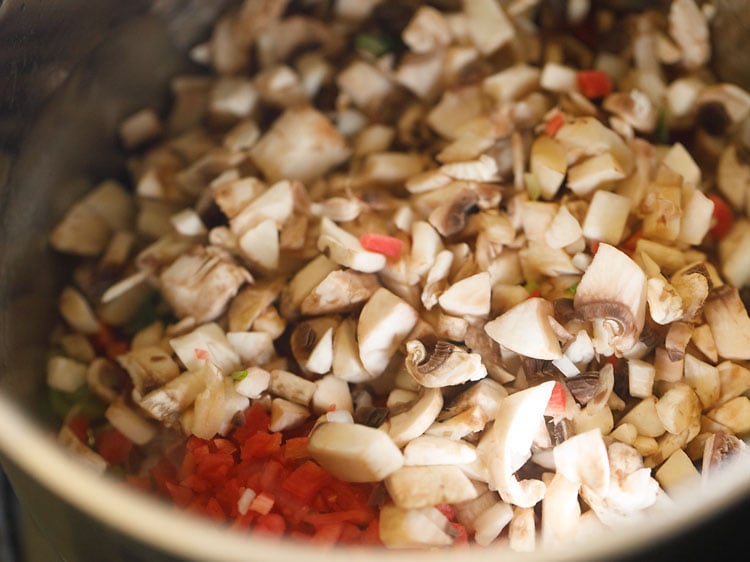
(417, 417)
(726, 315)
(302, 144)
(526, 329)
(354, 452)
(415, 487)
(444, 364)
(612, 294)
(345, 249)
(432, 449)
(384, 322)
(412, 528)
(207, 342)
(201, 282)
(507, 445)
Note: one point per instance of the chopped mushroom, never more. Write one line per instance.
(447, 252)
(612, 294)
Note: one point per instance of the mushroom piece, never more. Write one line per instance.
(450, 218)
(168, 402)
(612, 294)
(507, 445)
(561, 510)
(77, 312)
(312, 344)
(413, 528)
(106, 378)
(689, 28)
(470, 296)
(201, 282)
(302, 144)
(726, 315)
(583, 459)
(434, 450)
(444, 364)
(207, 342)
(149, 367)
(340, 291)
(345, 249)
(130, 423)
(384, 322)
(416, 418)
(415, 487)
(526, 330)
(549, 165)
(354, 452)
(631, 488)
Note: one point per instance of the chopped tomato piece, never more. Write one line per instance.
(554, 124)
(594, 84)
(556, 404)
(594, 245)
(723, 218)
(382, 244)
(201, 354)
(113, 446)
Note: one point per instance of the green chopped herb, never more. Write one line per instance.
(376, 45)
(87, 402)
(533, 188)
(572, 289)
(531, 286)
(239, 375)
(662, 128)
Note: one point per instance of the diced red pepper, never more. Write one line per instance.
(113, 446)
(181, 496)
(79, 425)
(296, 448)
(108, 343)
(594, 84)
(306, 480)
(630, 244)
(201, 354)
(461, 535)
(554, 124)
(723, 218)
(382, 244)
(327, 534)
(448, 510)
(271, 523)
(594, 245)
(556, 404)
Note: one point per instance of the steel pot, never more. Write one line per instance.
(70, 71)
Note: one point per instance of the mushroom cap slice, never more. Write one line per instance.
(444, 365)
(354, 452)
(526, 330)
(613, 290)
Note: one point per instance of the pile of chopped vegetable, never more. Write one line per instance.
(418, 274)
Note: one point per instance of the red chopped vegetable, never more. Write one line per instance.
(113, 446)
(554, 124)
(382, 244)
(107, 342)
(556, 404)
(630, 244)
(201, 354)
(594, 84)
(295, 496)
(79, 425)
(723, 218)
